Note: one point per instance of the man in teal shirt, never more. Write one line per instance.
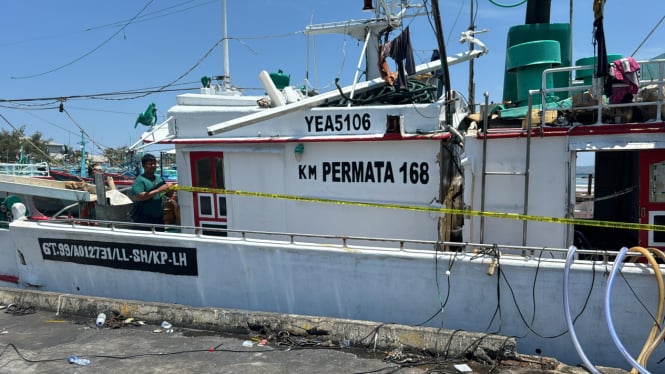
(149, 190)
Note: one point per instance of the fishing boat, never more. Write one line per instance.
(118, 179)
(390, 200)
(34, 170)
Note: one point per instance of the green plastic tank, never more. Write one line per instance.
(528, 61)
(280, 79)
(586, 75)
(521, 34)
(6, 208)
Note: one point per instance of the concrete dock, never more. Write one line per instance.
(40, 330)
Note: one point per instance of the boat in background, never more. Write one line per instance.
(34, 170)
(47, 199)
(43, 170)
(170, 175)
(119, 179)
(39, 199)
(402, 204)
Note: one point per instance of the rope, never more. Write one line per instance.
(648, 36)
(19, 310)
(417, 93)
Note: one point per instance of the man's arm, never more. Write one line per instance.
(143, 196)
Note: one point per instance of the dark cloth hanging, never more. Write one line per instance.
(602, 65)
(602, 68)
(435, 57)
(399, 49)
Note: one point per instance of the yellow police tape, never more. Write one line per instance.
(477, 213)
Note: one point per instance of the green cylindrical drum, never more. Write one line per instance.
(280, 79)
(539, 32)
(6, 207)
(528, 61)
(586, 75)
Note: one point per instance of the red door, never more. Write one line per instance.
(209, 207)
(652, 196)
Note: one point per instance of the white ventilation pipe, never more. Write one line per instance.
(276, 97)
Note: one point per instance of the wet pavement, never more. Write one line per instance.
(40, 341)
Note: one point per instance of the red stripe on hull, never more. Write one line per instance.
(8, 278)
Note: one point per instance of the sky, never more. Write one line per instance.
(111, 59)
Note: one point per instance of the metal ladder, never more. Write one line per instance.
(524, 173)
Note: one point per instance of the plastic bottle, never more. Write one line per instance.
(101, 319)
(78, 361)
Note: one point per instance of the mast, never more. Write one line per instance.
(451, 184)
(538, 11)
(225, 49)
(387, 15)
(472, 85)
(84, 170)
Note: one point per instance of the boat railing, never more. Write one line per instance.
(40, 169)
(347, 242)
(588, 98)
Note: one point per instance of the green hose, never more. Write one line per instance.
(507, 5)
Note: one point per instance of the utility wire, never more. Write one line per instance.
(89, 52)
(94, 96)
(137, 93)
(48, 157)
(30, 113)
(155, 15)
(648, 36)
(162, 88)
(83, 131)
(146, 17)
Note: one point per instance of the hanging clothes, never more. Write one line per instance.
(627, 72)
(602, 65)
(399, 49)
(384, 69)
(599, 36)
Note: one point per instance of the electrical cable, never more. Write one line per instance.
(48, 157)
(145, 17)
(285, 339)
(533, 289)
(452, 27)
(528, 325)
(83, 131)
(443, 302)
(293, 345)
(497, 310)
(137, 355)
(201, 59)
(91, 51)
(156, 14)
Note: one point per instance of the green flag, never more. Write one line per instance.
(149, 117)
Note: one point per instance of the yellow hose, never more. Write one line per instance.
(654, 338)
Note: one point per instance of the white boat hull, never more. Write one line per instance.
(8, 264)
(363, 283)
